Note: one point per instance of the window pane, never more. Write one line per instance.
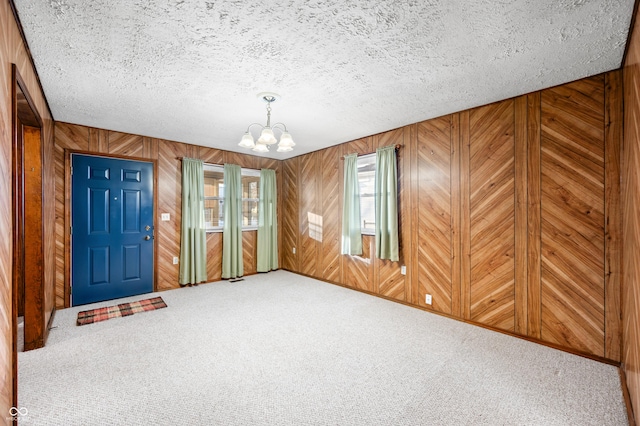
(213, 184)
(250, 213)
(367, 185)
(214, 196)
(367, 212)
(213, 213)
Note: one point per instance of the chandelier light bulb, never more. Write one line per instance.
(284, 148)
(267, 137)
(247, 141)
(260, 147)
(286, 140)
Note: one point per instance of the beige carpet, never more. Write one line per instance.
(281, 349)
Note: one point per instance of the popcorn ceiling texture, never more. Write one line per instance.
(190, 70)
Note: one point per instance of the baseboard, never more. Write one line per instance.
(626, 395)
(488, 327)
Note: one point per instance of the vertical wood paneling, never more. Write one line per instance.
(572, 244)
(613, 216)
(534, 231)
(412, 179)
(456, 217)
(630, 201)
(331, 203)
(434, 220)
(520, 219)
(491, 202)
(310, 218)
(290, 226)
(465, 217)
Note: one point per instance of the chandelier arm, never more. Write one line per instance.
(254, 124)
(280, 124)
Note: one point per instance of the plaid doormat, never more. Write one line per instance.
(121, 310)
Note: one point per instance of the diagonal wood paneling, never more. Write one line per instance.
(310, 216)
(491, 198)
(249, 251)
(331, 213)
(358, 270)
(125, 144)
(572, 215)
(290, 228)
(211, 156)
(98, 140)
(214, 256)
(242, 160)
(434, 237)
(169, 201)
(390, 281)
(67, 136)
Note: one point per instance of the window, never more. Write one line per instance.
(367, 185)
(214, 198)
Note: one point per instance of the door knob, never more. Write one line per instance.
(147, 237)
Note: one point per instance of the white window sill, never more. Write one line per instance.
(219, 230)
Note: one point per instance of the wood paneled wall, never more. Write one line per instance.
(12, 50)
(509, 216)
(630, 199)
(168, 196)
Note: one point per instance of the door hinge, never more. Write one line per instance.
(71, 171)
(71, 230)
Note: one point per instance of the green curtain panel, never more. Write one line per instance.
(386, 201)
(351, 236)
(267, 222)
(232, 229)
(193, 241)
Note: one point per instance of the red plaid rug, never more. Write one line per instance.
(121, 310)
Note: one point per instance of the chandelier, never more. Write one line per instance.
(267, 137)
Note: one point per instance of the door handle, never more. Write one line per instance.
(147, 237)
(146, 228)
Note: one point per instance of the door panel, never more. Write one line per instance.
(112, 228)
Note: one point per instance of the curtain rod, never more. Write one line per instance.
(398, 146)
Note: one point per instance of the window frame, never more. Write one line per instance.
(244, 172)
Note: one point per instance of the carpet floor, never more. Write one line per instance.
(281, 349)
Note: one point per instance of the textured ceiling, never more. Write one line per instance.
(190, 70)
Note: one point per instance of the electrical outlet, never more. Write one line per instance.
(175, 260)
(165, 217)
(427, 299)
(293, 250)
(403, 270)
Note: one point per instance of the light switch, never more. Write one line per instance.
(165, 217)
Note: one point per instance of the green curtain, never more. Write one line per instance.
(193, 241)
(267, 222)
(351, 236)
(232, 230)
(386, 202)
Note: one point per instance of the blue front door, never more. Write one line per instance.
(112, 228)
